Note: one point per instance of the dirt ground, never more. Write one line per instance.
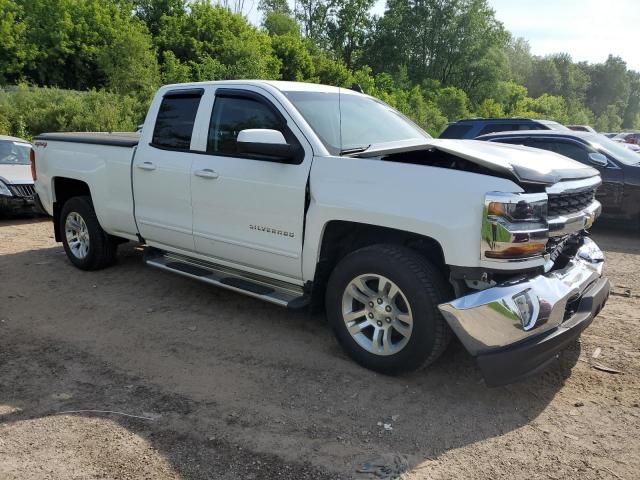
(218, 385)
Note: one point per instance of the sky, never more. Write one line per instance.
(586, 29)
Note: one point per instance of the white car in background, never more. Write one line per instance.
(17, 192)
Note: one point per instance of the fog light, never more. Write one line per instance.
(527, 309)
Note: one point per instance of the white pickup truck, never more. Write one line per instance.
(305, 195)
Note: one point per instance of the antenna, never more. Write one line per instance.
(340, 114)
(357, 88)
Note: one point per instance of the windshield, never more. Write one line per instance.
(617, 150)
(349, 121)
(14, 153)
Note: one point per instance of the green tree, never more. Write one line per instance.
(14, 48)
(213, 32)
(520, 59)
(632, 109)
(68, 37)
(573, 80)
(348, 29)
(453, 103)
(610, 85)
(152, 11)
(313, 16)
(489, 108)
(457, 42)
(130, 64)
(296, 61)
(173, 70)
(278, 23)
(544, 78)
(609, 120)
(278, 6)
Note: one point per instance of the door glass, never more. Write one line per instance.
(231, 115)
(512, 141)
(499, 127)
(174, 124)
(572, 150)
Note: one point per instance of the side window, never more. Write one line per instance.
(499, 127)
(542, 144)
(455, 131)
(174, 124)
(571, 150)
(511, 141)
(231, 115)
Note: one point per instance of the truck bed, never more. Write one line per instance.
(118, 139)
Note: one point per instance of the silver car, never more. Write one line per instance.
(16, 183)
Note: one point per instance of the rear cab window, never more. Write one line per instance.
(175, 120)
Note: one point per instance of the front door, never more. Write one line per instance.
(162, 174)
(249, 212)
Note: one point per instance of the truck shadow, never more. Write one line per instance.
(217, 370)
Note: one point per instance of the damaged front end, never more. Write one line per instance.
(516, 325)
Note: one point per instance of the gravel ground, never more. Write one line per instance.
(211, 384)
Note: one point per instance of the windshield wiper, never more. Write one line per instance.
(351, 151)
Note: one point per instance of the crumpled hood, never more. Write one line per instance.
(16, 174)
(525, 164)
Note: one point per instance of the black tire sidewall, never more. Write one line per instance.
(424, 310)
(83, 207)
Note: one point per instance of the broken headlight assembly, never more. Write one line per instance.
(514, 226)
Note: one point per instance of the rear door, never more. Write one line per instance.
(162, 173)
(249, 212)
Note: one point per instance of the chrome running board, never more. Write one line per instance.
(273, 291)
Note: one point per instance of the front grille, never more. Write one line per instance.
(24, 191)
(568, 203)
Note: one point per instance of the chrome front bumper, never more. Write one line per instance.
(516, 312)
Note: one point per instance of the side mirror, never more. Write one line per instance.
(598, 159)
(268, 144)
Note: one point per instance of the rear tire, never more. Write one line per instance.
(87, 245)
(390, 322)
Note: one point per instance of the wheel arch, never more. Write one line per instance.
(341, 237)
(63, 189)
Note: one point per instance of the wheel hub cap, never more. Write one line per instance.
(77, 235)
(377, 314)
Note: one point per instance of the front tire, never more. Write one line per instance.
(87, 245)
(382, 302)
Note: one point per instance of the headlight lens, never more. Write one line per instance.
(4, 190)
(514, 226)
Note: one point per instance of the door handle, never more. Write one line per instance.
(146, 166)
(206, 173)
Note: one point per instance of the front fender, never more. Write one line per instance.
(443, 204)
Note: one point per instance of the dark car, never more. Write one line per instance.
(17, 194)
(618, 166)
(474, 127)
(628, 137)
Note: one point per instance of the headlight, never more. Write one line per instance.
(514, 226)
(4, 190)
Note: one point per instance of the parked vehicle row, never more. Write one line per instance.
(474, 127)
(302, 195)
(617, 158)
(619, 167)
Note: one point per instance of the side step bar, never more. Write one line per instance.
(273, 291)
